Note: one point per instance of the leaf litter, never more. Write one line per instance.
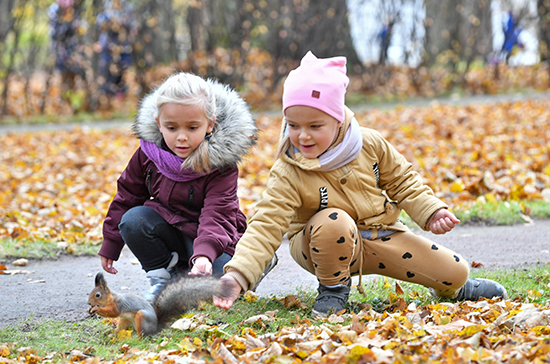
(487, 331)
(57, 186)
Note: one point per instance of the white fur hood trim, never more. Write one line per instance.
(235, 130)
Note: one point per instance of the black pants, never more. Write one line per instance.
(152, 240)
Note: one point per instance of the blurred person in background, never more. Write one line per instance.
(512, 44)
(66, 30)
(118, 30)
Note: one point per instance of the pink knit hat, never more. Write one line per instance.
(318, 82)
(65, 3)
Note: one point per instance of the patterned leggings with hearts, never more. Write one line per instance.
(333, 248)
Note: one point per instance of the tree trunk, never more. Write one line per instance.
(543, 9)
(154, 46)
(167, 27)
(16, 29)
(318, 26)
(293, 26)
(196, 25)
(6, 18)
(147, 51)
(458, 29)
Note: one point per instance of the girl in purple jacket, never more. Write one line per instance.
(176, 204)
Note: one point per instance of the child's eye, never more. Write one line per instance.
(171, 128)
(193, 127)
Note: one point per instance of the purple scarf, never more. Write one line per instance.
(168, 163)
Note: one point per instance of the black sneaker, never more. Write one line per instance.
(267, 269)
(476, 288)
(331, 299)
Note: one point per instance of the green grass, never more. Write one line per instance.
(539, 209)
(503, 212)
(58, 338)
(527, 285)
(499, 213)
(95, 336)
(41, 249)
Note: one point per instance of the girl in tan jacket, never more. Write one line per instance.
(336, 190)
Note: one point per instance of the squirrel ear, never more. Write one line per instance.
(100, 280)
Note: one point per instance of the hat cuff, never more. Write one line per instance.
(338, 116)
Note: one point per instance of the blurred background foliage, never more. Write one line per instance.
(67, 57)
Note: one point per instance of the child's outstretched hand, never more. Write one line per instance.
(202, 267)
(232, 290)
(442, 222)
(107, 265)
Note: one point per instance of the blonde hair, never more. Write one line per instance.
(284, 143)
(188, 89)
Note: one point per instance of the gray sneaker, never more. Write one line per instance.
(159, 278)
(476, 288)
(267, 269)
(331, 299)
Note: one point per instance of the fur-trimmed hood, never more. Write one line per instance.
(235, 130)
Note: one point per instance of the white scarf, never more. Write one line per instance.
(344, 152)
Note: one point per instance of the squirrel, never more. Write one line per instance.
(180, 295)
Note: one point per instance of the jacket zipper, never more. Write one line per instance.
(191, 193)
(148, 181)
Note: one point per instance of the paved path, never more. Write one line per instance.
(59, 288)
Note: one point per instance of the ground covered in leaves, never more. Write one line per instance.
(468, 332)
(56, 186)
(486, 331)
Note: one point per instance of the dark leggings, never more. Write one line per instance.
(152, 240)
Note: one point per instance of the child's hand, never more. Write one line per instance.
(442, 222)
(107, 265)
(232, 290)
(202, 267)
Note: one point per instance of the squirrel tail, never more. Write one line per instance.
(184, 293)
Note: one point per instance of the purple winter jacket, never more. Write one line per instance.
(205, 208)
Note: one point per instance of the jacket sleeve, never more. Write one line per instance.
(131, 191)
(404, 185)
(218, 218)
(267, 226)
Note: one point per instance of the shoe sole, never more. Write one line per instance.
(317, 313)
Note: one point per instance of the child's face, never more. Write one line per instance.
(310, 130)
(183, 127)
